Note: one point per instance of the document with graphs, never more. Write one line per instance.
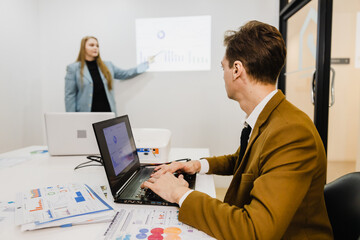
(61, 205)
(150, 223)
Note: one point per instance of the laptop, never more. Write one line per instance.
(122, 166)
(71, 133)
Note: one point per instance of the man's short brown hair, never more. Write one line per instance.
(261, 49)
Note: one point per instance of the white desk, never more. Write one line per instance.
(42, 170)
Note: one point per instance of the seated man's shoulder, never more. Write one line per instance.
(291, 114)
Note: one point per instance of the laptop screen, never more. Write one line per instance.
(118, 143)
(118, 151)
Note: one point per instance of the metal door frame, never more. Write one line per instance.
(323, 56)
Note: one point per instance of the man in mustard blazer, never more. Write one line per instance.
(277, 186)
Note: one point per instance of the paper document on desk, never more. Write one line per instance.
(7, 210)
(151, 223)
(61, 205)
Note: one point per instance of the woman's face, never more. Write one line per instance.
(91, 49)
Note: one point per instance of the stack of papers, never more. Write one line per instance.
(61, 205)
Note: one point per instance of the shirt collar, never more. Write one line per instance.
(252, 118)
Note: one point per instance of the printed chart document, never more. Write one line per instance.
(7, 210)
(151, 223)
(61, 205)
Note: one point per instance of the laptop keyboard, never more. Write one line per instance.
(150, 195)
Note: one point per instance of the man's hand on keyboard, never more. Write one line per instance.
(167, 186)
(191, 167)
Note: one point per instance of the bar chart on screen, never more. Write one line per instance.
(177, 43)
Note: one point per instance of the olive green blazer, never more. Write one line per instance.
(277, 188)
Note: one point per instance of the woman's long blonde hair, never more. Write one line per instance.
(100, 63)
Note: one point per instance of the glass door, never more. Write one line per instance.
(322, 74)
(344, 115)
(306, 28)
(301, 58)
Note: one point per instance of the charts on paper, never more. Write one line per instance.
(60, 205)
(152, 224)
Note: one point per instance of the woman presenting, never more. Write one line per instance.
(89, 80)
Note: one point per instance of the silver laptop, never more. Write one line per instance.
(71, 133)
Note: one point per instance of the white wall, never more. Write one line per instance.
(193, 105)
(40, 37)
(20, 86)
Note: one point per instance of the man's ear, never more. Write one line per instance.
(238, 68)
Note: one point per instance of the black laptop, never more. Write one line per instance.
(121, 161)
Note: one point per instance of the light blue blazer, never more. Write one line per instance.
(78, 95)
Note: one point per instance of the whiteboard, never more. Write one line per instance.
(179, 43)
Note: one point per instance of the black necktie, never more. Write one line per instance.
(245, 133)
